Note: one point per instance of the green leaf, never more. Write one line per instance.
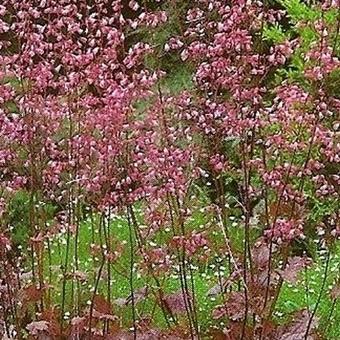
(299, 11)
(274, 33)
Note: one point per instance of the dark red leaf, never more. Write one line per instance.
(32, 293)
(101, 305)
(78, 325)
(260, 254)
(297, 328)
(38, 327)
(335, 292)
(51, 316)
(224, 284)
(219, 312)
(294, 266)
(177, 302)
(234, 307)
(235, 331)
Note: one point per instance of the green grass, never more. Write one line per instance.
(292, 297)
(305, 293)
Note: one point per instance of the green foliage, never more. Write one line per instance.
(20, 213)
(179, 79)
(18, 218)
(275, 33)
(299, 11)
(333, 84)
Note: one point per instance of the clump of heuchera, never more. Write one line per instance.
(234, 172)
